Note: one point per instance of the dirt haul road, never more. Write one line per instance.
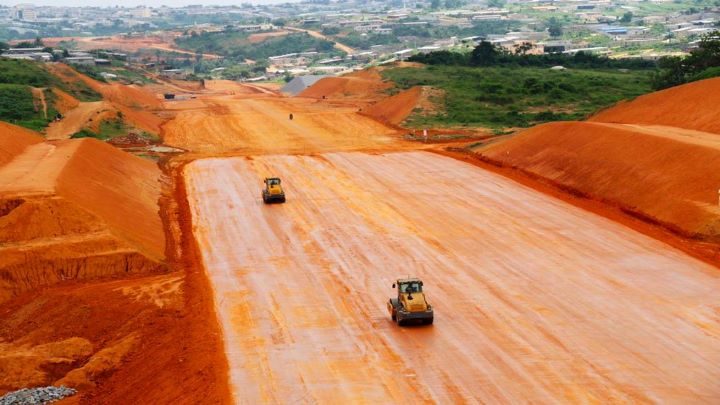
(535, 300)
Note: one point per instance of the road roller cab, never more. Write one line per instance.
(273, 192)
(410, 304)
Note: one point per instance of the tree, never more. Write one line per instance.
(555, 27)
(627, 17)
(485, 54)
(702, 63)
(523, 48)
(451, 4)
(497, 3)
(435, 4)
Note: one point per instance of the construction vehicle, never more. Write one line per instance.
(410, 304)
(273, 192)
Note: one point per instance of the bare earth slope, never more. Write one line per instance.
(536, 301)
(671, 179)
(262, 125)
(77, 209)
(366, 84)
(690, 106)
(396, 108)
(14, 140)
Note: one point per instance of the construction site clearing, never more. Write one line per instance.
(569, 262)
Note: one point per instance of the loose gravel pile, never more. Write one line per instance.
(41, 395)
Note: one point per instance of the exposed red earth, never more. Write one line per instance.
(690, 106)
(667, 174)
(222, 299)
(538, 301)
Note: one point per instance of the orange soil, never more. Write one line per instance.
(691, 106)
(256, 38)
(338, 45)
(665, 179)
(64, 102)
(136, 103)
(88, 114)
(234, 88)
(395, 109)
(366, 84)
(544, 294)
(140, 340)
(262, 125)
(71, 211)
(117, 42)
(14, 140)
(77, 209)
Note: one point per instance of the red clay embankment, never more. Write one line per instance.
(14, 140)
(395, 109)
(662, 179)
(691, 106)
(366, 84)
(75, 210)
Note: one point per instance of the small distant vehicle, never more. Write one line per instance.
(169, 96)
(410, 304)
(273, 192)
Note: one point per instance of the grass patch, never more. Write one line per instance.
(502, 97)
(25, 72)
(30, 73)
(17, 106)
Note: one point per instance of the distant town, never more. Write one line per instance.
(266, 42)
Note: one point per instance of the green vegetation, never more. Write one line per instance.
(702, 63)
(17, 106)
(554, 26)
(503, 97)
(479, 28)
(33, 74)
(84, 133)
(487, 54)
(126, 75)
(25, 72)
(235, 44)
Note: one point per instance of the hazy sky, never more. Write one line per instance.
(133, 3)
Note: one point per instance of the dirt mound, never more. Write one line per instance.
(135, 102)
(365, 84)
(129, 95)
(14, 139)
(64, 102)
(669, 180)
(125, 341)
(395, 109)
(77, 209)
(691, 106)
(121, 189)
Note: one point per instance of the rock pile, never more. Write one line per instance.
(40, 395)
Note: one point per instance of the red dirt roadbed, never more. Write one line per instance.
(535, 300)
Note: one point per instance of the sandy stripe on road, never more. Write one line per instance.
(535, 300)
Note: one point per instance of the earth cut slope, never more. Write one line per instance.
(75, 209)
(691, 106)
(673, 180)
